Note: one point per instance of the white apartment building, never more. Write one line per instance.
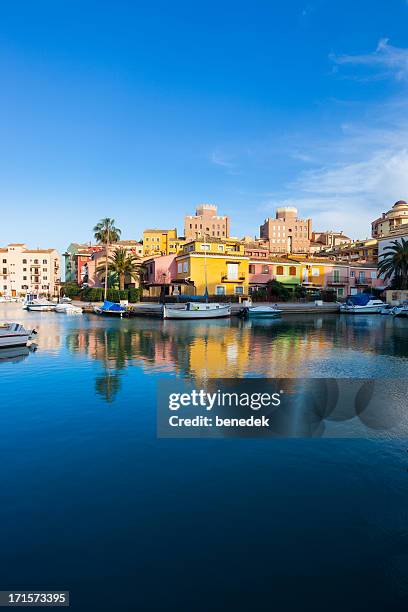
(25, 270)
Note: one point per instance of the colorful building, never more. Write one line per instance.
(160, 241)
(222, 266)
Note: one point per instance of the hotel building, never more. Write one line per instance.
(25, 270)
(287, 233)
(206, 223)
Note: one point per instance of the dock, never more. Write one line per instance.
(150, 309)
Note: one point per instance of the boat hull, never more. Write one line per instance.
(261, 313)
(213, 313)
(40, 307)
(14, 340)
(361, 310)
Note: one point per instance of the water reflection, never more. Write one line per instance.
(296, 346)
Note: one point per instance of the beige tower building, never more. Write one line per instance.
(206, 222)
(25, 270)
(390, 221)
(287, 233)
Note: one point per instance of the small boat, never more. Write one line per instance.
(68, 309)
(65, 300)
(197, 310)
(14, 334)
(363, 303)
(386, 309)
(400, 311)
(110, 309)
(33, 302)
(261, 312)
(41, 306)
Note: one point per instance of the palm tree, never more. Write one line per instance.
(395, 263)
(123, 264)
(106, 233)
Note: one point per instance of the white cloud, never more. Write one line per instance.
(347, 195)
(386, 61)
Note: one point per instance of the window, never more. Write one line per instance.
(352, 274)
(279, 270)
(315, 271)
(239, 290)
(220, 290)
(179, 267)
(44, 261)
(340, 292)
(251, 269)
(4, 260)
(24, 278)
(336, 275)
(36, 261)
(185, 266)
(292, 271)
(373, 275)
(232, 271)
(205, 247)
(221, 247)
(265, 269)
(4, 270)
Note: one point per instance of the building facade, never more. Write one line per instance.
(390, 221)
(206, 223)
(24, 270)
(160, 242)
(287, 233)
(221, 266)
(322, 241)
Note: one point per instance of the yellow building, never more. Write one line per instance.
(158, 241)
(222, 266)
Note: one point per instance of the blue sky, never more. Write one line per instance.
(141, 110)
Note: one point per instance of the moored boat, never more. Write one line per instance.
(41, 306)
(110, 309)
(363, 303)
(68, 309)
(400, 311)
(14, 334)
(261, 312)
(197, 310)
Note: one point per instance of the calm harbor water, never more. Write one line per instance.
(94, 503)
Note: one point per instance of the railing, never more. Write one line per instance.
(338, 280)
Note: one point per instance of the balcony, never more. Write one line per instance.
(363, 282)
(226, 279)
(338, 280)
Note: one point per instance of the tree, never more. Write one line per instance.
(123, 264)
(106, 233)
(394, 263)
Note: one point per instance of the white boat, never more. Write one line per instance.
(261, 312)
(14, 334)
(363, 303)
(33, 301)
(69, 309)
(65, 300)
(400, 311)
(41, 305)
(197, 310)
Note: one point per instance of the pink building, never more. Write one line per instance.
(160, 271)
(363, 277)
